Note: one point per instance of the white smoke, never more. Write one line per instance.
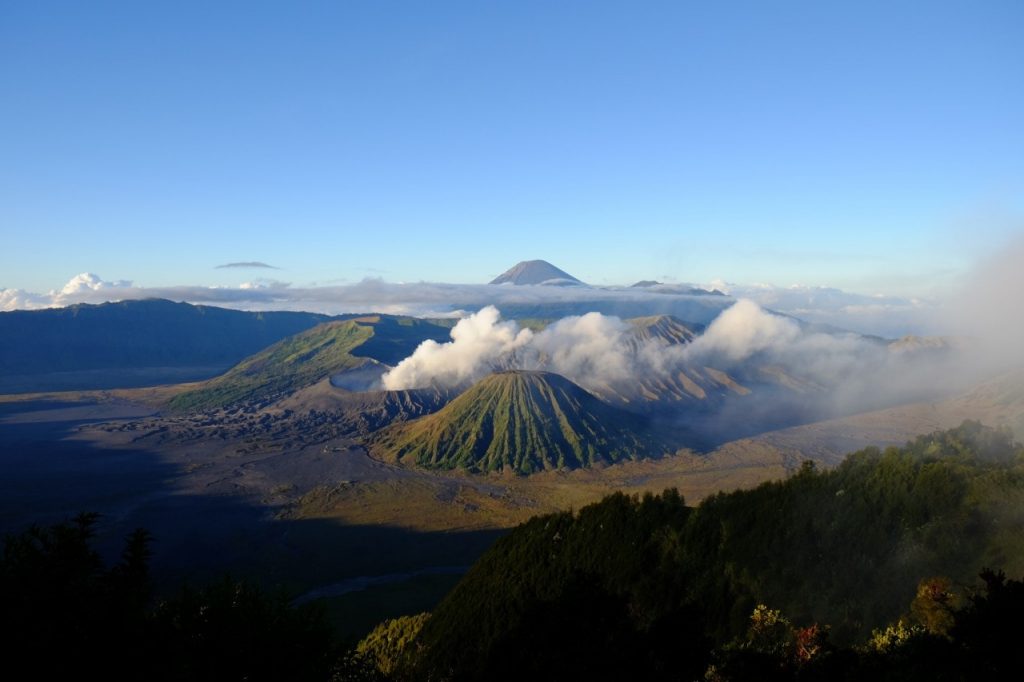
(795, 372)
(746, 331)
(598, 351)
(588, 349)
(480, 343)
(743, 330)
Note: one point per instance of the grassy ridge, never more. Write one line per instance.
(289, 364)
(523, 422)
(303, 359)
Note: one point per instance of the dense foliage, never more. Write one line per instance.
(658, 583)
(391, 641)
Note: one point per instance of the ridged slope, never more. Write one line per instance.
(670, 329)
(520, 421)
(686, 383)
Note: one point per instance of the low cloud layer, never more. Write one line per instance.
(81, 288)
(885, 317)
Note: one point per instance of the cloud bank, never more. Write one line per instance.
(81, 288)
(888, 317)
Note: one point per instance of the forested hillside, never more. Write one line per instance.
(653, 585)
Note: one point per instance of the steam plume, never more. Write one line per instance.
(596, 350)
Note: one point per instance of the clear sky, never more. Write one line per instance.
(874, 146)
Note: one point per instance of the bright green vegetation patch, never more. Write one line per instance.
(523, 422)
(292, 363)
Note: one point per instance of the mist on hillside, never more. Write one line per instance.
(989, 308)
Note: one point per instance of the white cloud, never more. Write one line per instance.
(79, 288)
(19, 299)
(589, 349)
(87, 282)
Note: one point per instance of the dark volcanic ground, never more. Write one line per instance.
(211, 507)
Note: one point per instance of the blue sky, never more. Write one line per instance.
(877, 147)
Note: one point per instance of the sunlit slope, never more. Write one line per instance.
(309, 357)
(524, 422)
(290, 364)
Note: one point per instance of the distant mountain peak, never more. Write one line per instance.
(535, 272)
